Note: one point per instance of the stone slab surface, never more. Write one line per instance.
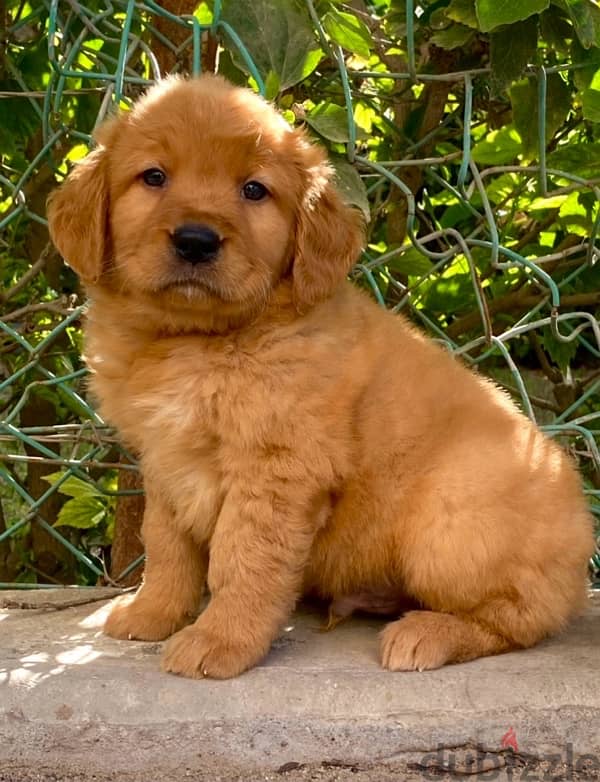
(75, 704)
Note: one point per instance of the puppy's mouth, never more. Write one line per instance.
(190, 287)
(186, 282)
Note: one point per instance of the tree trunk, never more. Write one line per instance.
(127, 544)
(51, 560)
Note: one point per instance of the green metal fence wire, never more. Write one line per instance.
(82, 452)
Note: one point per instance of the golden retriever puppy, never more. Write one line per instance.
(294, 437)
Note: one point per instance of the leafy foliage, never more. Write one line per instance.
(87, 508)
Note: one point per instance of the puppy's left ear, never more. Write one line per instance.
(329, 233)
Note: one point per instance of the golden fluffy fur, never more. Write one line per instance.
(295, 438)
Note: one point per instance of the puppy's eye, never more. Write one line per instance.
(154, 177)
(254, 191)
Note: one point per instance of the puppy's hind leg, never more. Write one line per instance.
(512, 619)
(174, 578)
(423, 640)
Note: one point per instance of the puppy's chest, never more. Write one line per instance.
(188, 401)
(191, 417)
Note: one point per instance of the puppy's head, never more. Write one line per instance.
(202, 197)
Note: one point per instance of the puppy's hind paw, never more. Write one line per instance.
(423, 640)
(417, 642)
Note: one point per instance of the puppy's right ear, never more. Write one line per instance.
(78, 216)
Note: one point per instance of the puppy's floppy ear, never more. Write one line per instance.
(329, 233)
(78, 213)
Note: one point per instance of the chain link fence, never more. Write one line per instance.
(469, 236)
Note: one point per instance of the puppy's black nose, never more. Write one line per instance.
(196, 243)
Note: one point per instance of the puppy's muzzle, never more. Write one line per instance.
(195, 243)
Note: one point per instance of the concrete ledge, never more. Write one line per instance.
(82, 704)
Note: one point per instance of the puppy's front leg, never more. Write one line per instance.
(174, 577)
(257, 557)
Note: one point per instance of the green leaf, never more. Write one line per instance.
(580, 159)
(81, 513)
(556, 30)
(561, 353)
(503, 187)
(512, 48)
(498, 147)
(453, 291)
(494, 13)
(278, 36)
(558, 103)
(272, 85)
(589, 58)
(204, 14)
(331, 122)
(463, 11)
(412, 262)
(586, 19)
(574, 216)
(452, 37)
(73, 486)
(456, 214)
(349, 32)
(350, 185)
(524, 99)
(542, 204)
(590, 101)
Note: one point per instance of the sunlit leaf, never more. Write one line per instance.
(497, 147)
(348, 31)
(494, 13)
(81, 513)
(73, 486)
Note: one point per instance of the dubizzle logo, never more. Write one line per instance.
(489, 765)
(509, 740)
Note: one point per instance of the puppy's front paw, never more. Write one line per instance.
(133, 618)
(417, 642)
(199, 652)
